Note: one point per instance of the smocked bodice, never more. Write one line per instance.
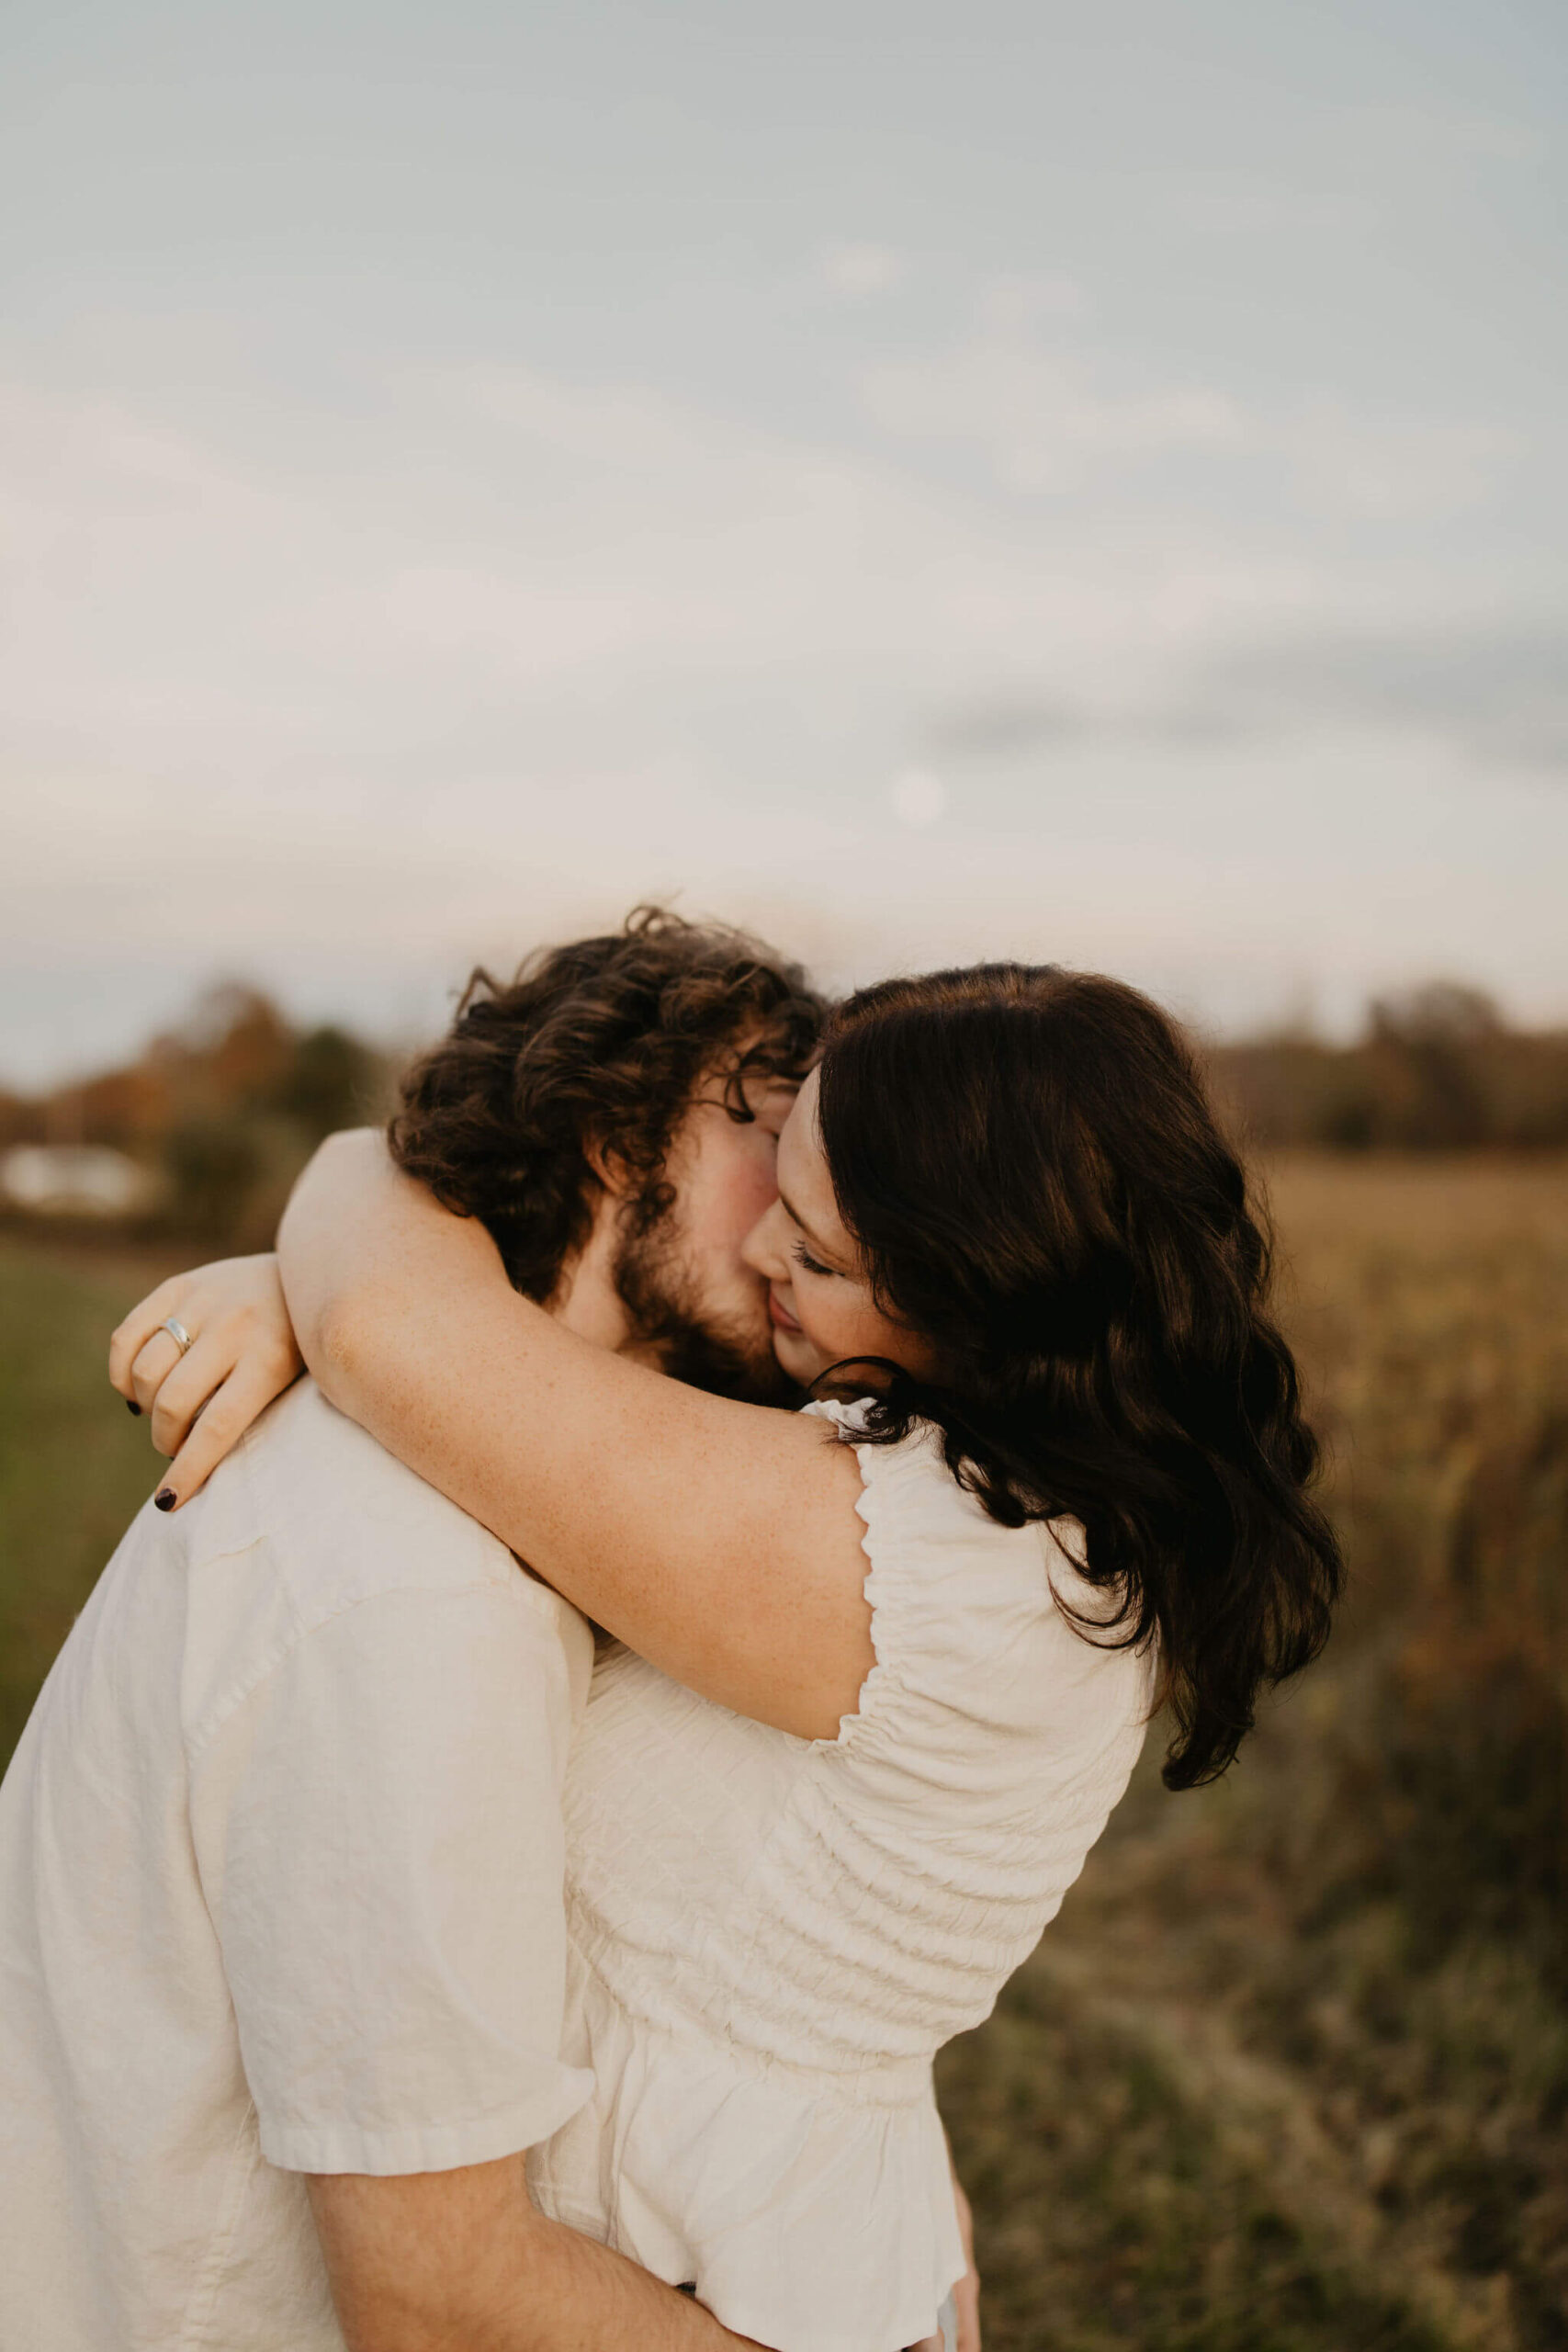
(775, 1936)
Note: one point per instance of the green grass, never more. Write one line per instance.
(1127, 2198)
(1290, 2074)
(74, 1466)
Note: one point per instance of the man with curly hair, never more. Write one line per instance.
(607, 1116)
(281, 1916)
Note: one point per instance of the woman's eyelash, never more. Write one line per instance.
(803, 1257)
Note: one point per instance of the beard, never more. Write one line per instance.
(660, 1294)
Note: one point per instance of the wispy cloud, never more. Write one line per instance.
(1491, 696)
(1042, 419)
(1496, 693)
(1393, 468)
(1435, 134)
(1016, 302)
(1048, 414)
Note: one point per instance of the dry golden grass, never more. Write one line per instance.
(1291, 2068)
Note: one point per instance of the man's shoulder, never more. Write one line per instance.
(310, 1519)
(333, 1517)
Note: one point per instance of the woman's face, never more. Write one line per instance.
(819, 1300)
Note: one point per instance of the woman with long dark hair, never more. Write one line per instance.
(818, 1815)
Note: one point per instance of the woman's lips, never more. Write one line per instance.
(781, 1315)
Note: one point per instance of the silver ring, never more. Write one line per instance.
(177, 1332)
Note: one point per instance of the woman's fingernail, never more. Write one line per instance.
(131, 1405)
(165, 1498)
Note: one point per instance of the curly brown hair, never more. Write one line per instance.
(598, 1046)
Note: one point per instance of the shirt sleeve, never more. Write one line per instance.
(983, 1688)
(379, 1829)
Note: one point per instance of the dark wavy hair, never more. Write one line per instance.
(601, 1045)
(1029, 1163)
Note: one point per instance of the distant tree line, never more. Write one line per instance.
(224, 1111)
(1437, 1069)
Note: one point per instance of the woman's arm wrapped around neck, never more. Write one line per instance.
(720, 1540)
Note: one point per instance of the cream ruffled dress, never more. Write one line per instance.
(772, 1937)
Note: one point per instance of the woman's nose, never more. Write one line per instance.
(762, 1249)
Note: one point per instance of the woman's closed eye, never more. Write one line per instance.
(803, 1259)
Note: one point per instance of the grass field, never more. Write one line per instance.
(73, 1464)
(1290, 2074)
(1290, 2069)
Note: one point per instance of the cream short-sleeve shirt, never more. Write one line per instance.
(280, 1893)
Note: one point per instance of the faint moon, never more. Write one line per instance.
(862, 268)
(918, 797)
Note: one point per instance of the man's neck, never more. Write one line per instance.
(586, 1301)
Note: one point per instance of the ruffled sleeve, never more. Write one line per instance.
(991, 1677)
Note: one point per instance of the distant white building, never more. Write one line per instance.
(72, 1179)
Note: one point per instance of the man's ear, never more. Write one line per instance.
(608, 1167)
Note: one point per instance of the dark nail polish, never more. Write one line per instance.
(165, 1498)
(132, 1407)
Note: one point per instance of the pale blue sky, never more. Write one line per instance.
(1077, 482)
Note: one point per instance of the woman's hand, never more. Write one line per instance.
(203, 1398)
